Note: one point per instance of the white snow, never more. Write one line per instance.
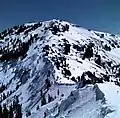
(112, 96)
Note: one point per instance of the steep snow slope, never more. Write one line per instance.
(61, 54)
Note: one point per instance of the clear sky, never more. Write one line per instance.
(102, 15)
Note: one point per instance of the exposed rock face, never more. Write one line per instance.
(99, 94)
(74, 95)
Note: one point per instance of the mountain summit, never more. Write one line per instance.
(56, 69)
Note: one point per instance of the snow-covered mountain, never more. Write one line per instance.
(60, 70)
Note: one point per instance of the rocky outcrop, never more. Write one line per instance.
(99, 94)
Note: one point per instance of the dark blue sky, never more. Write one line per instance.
(102, 15)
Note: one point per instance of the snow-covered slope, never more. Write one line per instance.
(53, 59)
(112, 96)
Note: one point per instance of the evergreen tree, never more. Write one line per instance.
(4, 96)
(47, 81)
(28, 113)
(37, 107)
(66, 48)
(43, 100)
(58, 92)
(45, 114)
(88, 52)
(5, 111)
(83, 77)
(11, 112)
(78, 78)
(18, 111)
(50, 98)
(0, 111)
(41, 93)
(17, 108)
(98, 60)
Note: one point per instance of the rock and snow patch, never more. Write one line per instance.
(79, 103)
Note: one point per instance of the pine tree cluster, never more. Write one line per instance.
(13, 111)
